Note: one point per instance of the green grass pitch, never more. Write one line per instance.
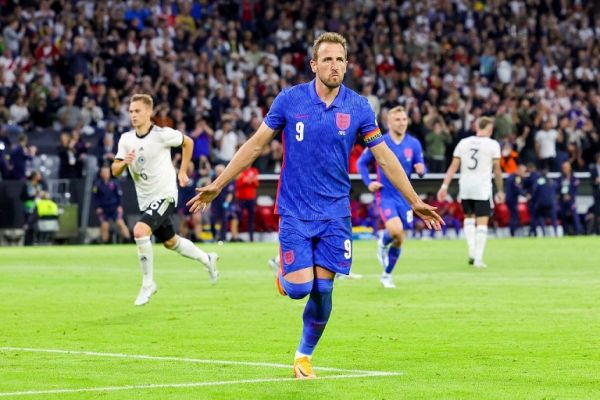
(527, 327)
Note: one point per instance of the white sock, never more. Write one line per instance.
(300, 355)
(146, 257)
(186, 248)
(469, 227)
(480, 239)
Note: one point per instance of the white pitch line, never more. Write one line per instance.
(349, 373)
(190, 360)
(184, 385)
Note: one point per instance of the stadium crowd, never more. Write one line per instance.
(214, 67)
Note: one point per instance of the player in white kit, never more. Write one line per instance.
(477, 156)
(146, 152)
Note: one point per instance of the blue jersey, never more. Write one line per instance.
(317, 140)
(409, 152)
(107, 194)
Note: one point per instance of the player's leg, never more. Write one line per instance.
(387, 210)
(186, 248)
(295, 272)
(395, 229)
(315, 317)
(482, 212)
(469, 227)
(142, 232)
(332, 254)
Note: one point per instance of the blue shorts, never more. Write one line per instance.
(110, 214)
(391, 208)
(304, 244)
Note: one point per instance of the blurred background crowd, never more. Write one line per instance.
(68, 68)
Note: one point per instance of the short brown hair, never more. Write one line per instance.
(328, 37)
(483, 122)
(144, 98)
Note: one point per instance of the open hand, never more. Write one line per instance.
(203, 198)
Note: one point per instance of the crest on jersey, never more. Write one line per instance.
(342, 121)
(288, 257)
(408, 153)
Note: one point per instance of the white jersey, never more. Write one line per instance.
(152, 169)
(476, 154)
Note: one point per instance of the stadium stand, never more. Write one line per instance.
(67, 68)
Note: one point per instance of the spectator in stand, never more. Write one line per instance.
(245, 195)
(20, 156)
(19, 113)
(508, 158)
(68, 166)
(202, 136)
(69, 115)
(227, 140)
(545, 145)
(436, 142)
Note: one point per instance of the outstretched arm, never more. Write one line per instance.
(241, 160)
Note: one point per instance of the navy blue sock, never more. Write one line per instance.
(316, 315)
(386, 239)
(393, 256)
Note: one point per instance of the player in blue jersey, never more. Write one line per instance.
(320, 121)
(394, 210)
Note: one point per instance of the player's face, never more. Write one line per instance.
(398, 122)
(139, 113)
(331, 63)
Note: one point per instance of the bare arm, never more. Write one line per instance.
(118, 166)
(499, 181)
(241, 160)
(187, 147)
(454, 165)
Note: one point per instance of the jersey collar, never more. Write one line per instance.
(337, 102)
(147, 133)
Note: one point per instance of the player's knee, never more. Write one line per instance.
(140, 230)
(170, 243)
(323, 286)
(296, 291)
(397, 238)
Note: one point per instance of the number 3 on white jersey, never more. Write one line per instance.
(300, 131)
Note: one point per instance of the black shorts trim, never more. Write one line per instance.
(158, 217)
(481, 208)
